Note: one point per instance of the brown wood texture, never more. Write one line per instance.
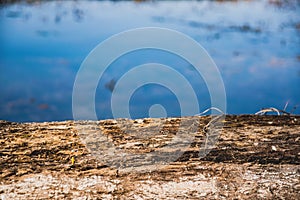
(253, 157)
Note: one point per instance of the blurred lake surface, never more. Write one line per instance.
(255, 44)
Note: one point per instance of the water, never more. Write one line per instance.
(255, 45)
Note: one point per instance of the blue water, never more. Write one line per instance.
(255, 44)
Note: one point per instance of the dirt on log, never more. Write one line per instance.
(254, 157)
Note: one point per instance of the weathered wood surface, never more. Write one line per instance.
(254, 157)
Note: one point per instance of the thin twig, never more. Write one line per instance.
(211, 108)
(286, 104)
(265, 110)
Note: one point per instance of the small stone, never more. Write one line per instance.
(139, 121)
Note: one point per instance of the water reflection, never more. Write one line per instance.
(44, 43)
(110, 85)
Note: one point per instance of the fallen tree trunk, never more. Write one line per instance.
(254, 157)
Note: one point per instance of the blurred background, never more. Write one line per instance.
(255, 44)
